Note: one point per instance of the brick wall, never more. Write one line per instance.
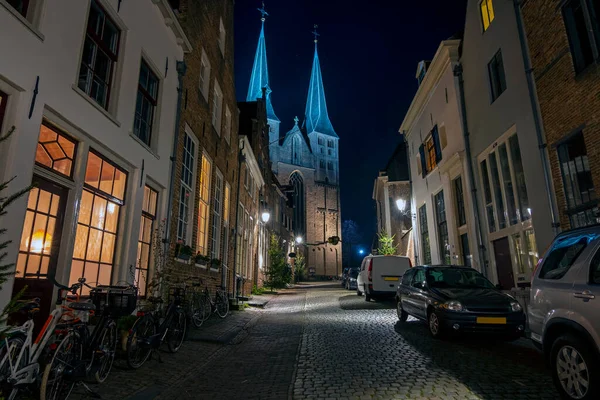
(200, 21)
(568, 101)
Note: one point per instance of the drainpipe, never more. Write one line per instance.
(537, 119)
(458, 73)
(181, 68)
(241, 158)
(410, 194)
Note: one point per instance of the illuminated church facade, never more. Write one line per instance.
(306, 159)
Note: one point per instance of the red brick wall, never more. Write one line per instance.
(200, 21)
(567, 100)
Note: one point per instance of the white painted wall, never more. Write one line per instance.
(51, 49)
(428, 109)
(511, 111)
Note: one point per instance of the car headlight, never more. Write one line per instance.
(352, 279)
(452, 305)
(515, 306)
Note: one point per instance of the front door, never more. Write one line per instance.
(504, 267)
(40, 244)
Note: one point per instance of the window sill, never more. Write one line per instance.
(144, 145)
(201, 266)
(22, 19)
(96, 105)
(214, 269)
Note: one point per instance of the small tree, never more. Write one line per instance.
(300, 268)
(7, 270)
(386, 244)
(278, 272)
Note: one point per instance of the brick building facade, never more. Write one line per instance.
(568, 79)
(206, 171)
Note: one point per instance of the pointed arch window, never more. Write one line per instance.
(299, 222)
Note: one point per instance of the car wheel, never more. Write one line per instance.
(358, 292)
(435, 325)
(574, 368)
(402, 315)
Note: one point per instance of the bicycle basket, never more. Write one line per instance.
(116, 301)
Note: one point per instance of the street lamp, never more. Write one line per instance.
(361, 252)
(299, 239)
(265, 216)
(401, 204)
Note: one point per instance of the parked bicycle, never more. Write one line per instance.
(20, 354)
(150, 330)
(80, 354)
(208, 306)
(193, 303)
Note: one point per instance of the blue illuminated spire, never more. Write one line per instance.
(260, 73)
(317, 118)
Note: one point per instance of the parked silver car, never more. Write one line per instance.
(564, 313)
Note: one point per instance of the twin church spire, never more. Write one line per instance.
(316, 116)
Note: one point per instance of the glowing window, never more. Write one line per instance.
(55, 150)
(203, 207)
(145, 239)
(98, 220)
(487, 13)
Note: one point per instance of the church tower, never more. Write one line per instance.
(306, 160)
(259, 80)
(324, 143)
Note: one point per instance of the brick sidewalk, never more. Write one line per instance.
(201, 346)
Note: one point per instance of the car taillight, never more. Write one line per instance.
(370, 270)
(140, 313)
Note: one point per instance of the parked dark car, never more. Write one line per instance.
(455, 299)
(351, 279)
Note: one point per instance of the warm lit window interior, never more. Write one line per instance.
(55, 150)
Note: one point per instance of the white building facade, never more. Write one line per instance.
(444, 230)
(515, 198)
(90, 88)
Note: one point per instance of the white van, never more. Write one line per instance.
(379, 276)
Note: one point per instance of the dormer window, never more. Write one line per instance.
(421, 75)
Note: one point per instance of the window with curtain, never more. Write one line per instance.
(578, 185)
(147, 227)
(203, 205)
(101, 201)
(217, 212)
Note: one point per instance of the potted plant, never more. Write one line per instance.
(183, 251)
(201, 260)
(215, 263)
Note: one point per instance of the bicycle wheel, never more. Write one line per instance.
(205, 306)
(106, 351)
(10, 349)
(143, 328)
(222, 304)
(54, 386)
(176, 332)
(196, 311)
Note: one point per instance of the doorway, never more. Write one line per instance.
(40, 244)
(504, 267)
(466, 252)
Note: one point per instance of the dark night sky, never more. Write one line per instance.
(369, 53)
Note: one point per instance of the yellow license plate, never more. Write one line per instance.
(390, 278)
(491, 320)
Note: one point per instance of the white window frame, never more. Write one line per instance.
(227, 126)
(217, 112)
(222, 36)
(204, 80)
(217, 212)
(191, 190)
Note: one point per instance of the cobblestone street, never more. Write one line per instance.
(325, 342)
